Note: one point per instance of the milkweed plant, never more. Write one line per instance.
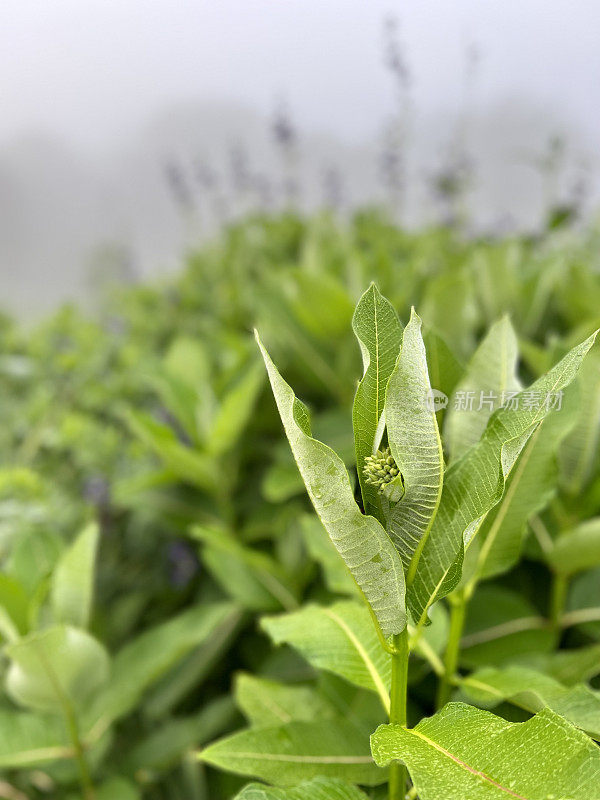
(449, 466)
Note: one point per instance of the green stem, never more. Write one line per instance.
(558, 599)
(458, 608)
(398, 776)
(82, 765)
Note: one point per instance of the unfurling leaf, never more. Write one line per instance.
(379, 333)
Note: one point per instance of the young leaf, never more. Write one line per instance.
(491, 372)
(416, 447)
(533, 691)
(264, 702)
(287, 754)
(58, 665)
(578, 549)
(379, 333)
(463, 752)
(340, 639)
(73, 580)
(317, 789)
(360, 540)
(476, 482)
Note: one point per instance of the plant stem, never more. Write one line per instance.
(458, 608)
(84, 772)
(558, 598)
(397, 781)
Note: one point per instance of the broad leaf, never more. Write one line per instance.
(14, 605)
(476, 482)
(341, 639)
(463, 753)
(73, 580)
(577, 550)
(29, 740)
(249, 576)
(533, 691)
(165, 746)
(568, 667)
(287, 754)
(146, 659)
(379, 333)
(317, 789)
(502, 626)
(58, 665)
(490, 375)
(360, 540)
(416, 447)
(530, 487)
(265, 702)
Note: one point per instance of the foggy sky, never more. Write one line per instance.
(92, 71)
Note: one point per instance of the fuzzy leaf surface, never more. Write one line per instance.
(415, 443)
(360, 540)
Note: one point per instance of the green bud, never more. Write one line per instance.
(382, 472)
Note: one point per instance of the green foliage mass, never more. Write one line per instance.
(404, 598)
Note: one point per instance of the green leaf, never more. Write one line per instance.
(379, 333)
(341, 639)
(502, 626)
(249, 576)
(533, 691)
(58, 665)
(416, 447)
(579, 452)
(444, 368)
(265, 702)
(118, 789)
(14, 605)
(360, 540)
(143, 661)
(321, 549)
(568, 667)
(189, 465)
(491, 372)
(29, 740)
(577, 550)
(463, 753)
(234, 411)
(476, 482)
(288, 754)
(73, 580)
(317, 789)
(530, 487)
(165, 746)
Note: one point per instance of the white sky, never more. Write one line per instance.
(94, 70)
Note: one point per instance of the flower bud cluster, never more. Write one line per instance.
(380, 469)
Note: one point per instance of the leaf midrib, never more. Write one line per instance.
(477, 773)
